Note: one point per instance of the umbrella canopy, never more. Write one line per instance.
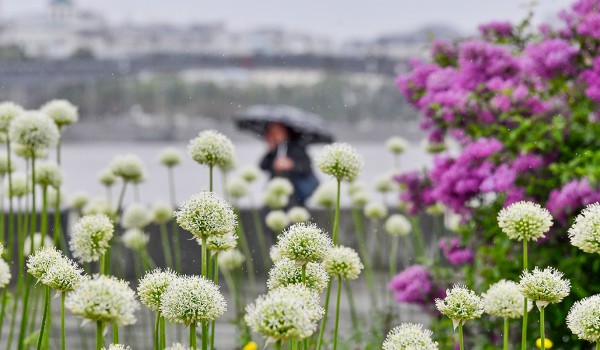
(307, 127)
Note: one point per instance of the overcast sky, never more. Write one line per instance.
(341, 19)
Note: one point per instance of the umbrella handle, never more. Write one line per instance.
(282, 149)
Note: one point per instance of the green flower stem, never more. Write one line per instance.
(10, 202)
(157, 332)
(101, 265)
(294, 344)
(210, 177)
(166, 245)
(108, 194)
(304, 274)
(337, 313)
(44, 218)
(505, 347)
(324, 320)
(58, 237)
(393, 256)
(193, 336)
(20, 243)
(204, 257)
(2, 233)
(163, 334)
(366, 258)
(542, 333)
(353, 312)
(418, 236)
(246, 250)
(204, 335)
(3, 311)
(277, 345)
(176, 245)
(99, 335)
(525, 311)
(62, 321)
(147, 261)
(598, 345)
(216, 280)
(460, 336)
(260, 233)
(115, 333)
(44, 316)
(336, 220)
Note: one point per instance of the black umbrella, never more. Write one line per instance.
(307, 127)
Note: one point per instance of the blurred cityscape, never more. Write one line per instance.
(159, 81)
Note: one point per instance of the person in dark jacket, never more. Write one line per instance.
(288, 158)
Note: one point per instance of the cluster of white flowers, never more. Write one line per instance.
(107, 178)
(375, 210)
(30, 247)
(62, 112)
(504, 299)
(396, 144)
(64, 276)
(192, 299)
(129, 167)
(177, 346)
(162, 213)
(152, 286)
(286, 272)
(304, 243)
(135, 239)
(90, 237)
(20, 185)
(117, 347)
(275, 201)
(4, 168)
(384, 184)
(325, 195)
(545, 286)
(280, 186)
(5, 274)
(98, 205)
(170, 157)
(249, 173)
(398, 225)
(237, 187)
(211, 147)
(343, 262)
(409, 336)
(341, 161)
(47, 173)
(136, 215)
(8, 112)
(221, 243)
(585, 232)
(584, 319)
(206, 215)
(79, 200)
(33, 131)
(359, 198)
(104, 299)
(460, 305)
(231, 259)
(290, 312)
(524, 221)
(298, 215)
(277, 220)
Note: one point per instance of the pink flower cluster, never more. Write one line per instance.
(454, 252)
(576, 194)
(413, 285)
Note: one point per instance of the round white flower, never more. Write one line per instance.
(280, 186)
(34, 131)
(129, 167)
(524, 221)
(384, 184)
(360, 198)
(275, 201)
(64, 275)
(375, 210)
(62, 112)
(343, 262)
(584, 319)
(286, 272)
(341, 161)
(152, 286)
(237, 187)
(396, 145)
(249, 173)
(192, 299)
(460, 305)
(211, 147)
(545, 286)
(169, 157)
(47, 173)
(504, 299)
(398, 225)
(409, 336)
(136, 216)
(325, 195)
(91, 237)
(585, 232)
(298, 214)
(107, 177)
(37, 243)
(304, 243)
(8, 112)
(221, 243)
(162, 213)
(230, 260)
(79, 200)
(206, 215)
(135, 239)
(20, 186)
(98, 205)
(277, 220)
(5, 274)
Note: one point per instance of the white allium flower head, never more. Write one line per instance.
(98, 205)
(107, 177)
(249, 173)
(460, 305)
(325, 195)
(343, 262)
(162, 213)
(20, 185)
(384, 184)
(285, 313)
(220, 243)
(230, 260)
(170, 157)
(277, 220)
(135, 239)
(192, 299)
(5, 274)
(396, 144)
(275, 201)
(91, 237)
(360, 198)
(4, 168)
(27, 153)
(205, 214)
(37, 243)
(236, 187)
(303, 243)
(79, 200)
(398, 225)
(228, 166)
(355, 186)
(585, 232)
(298, 214)
(1, 249)
(436, 209)
(375, 210)
(104, 299)
(584, 319)
(286, 272)
(341, 161)
(136, 215)
(152, 286)
(504, 299)
(129, 167)
(177, 346)
(34, 131)
(48, 173)
(545, 286)
(64, 275)
(524, 221)
(211, 147)
(280, 186)
(8, 112)
(52, 197)
(62, 112)
(434, 147)
(275, 254)
(409, 336)
(117, 347)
